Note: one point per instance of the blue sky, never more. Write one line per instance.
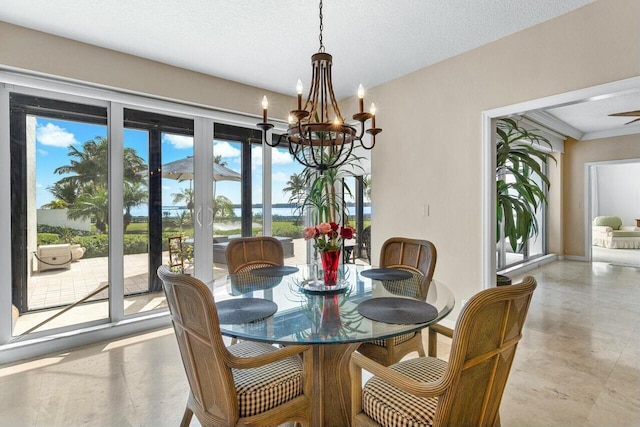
(54, 136)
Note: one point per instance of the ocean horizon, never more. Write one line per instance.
(277, 210)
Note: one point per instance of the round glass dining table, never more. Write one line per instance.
(326, 318)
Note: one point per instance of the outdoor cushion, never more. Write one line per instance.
(609, 221)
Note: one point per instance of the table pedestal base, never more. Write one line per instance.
(331, 382)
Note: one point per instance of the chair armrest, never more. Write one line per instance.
(396, 379)
(264, 359)
(434, 330)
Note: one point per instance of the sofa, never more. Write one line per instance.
(608, 232)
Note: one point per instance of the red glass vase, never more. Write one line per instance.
(330, 261)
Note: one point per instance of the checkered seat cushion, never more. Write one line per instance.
(390, 406)
(260, 389)
(396, 340)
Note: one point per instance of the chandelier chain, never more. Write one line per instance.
(321, 27)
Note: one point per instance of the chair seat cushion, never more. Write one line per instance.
(396, 340)
(260, 389)
(390, 406)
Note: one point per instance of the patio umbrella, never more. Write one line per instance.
(182, 170)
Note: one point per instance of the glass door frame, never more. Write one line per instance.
(117, 324)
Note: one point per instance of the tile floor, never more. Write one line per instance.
(577, 365)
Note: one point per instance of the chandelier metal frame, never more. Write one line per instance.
(318, 136)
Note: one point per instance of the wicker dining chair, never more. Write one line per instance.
(247, 384)
(418, 257)
(467, 390)
(244, 254)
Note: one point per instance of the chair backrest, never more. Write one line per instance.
(417, 256)
(197, 329)
(482, 351)
(246, 253)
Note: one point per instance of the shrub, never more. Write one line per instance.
(135, 244)
(97, 245)
(287, 229)
(48, 238)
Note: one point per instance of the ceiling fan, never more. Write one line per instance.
(628, 114)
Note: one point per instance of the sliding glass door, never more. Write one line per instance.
(59, 212)
(158, 202)
(102, 191)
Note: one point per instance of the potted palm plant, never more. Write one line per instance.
(520, 181)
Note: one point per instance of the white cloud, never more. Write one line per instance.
(54, 136)
(256, 156)
(225, 150)
(42, 152)
(280, 177)
(179, 141)
(279, 157)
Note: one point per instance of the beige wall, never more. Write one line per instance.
(35, 51)
(555, 230)
(430, 151)
(578, 153)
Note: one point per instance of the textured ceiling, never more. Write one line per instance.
(269, 43)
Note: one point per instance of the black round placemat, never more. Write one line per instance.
(397, 310)
(386, 274)
(275, 270)
(245, 310)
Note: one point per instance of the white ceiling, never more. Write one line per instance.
(269, 43)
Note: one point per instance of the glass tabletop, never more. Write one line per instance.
(309, 313)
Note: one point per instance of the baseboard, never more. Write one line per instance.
(529, 265)
(37, 347)
(575, 258)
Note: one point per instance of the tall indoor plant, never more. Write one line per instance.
(326, 207)
(520, 181)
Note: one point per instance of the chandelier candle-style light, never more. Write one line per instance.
(318, 136)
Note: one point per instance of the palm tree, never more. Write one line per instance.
(185, 195)
(65, 194)
(86, 180)
(223, 207)
(297, 186)
(87, 166)
(92, 205)
(55, 204)
(134, 195)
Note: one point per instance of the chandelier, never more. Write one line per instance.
(318, 136)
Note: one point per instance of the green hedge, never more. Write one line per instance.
(287, 229)
(48, 238)
(97, 244)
